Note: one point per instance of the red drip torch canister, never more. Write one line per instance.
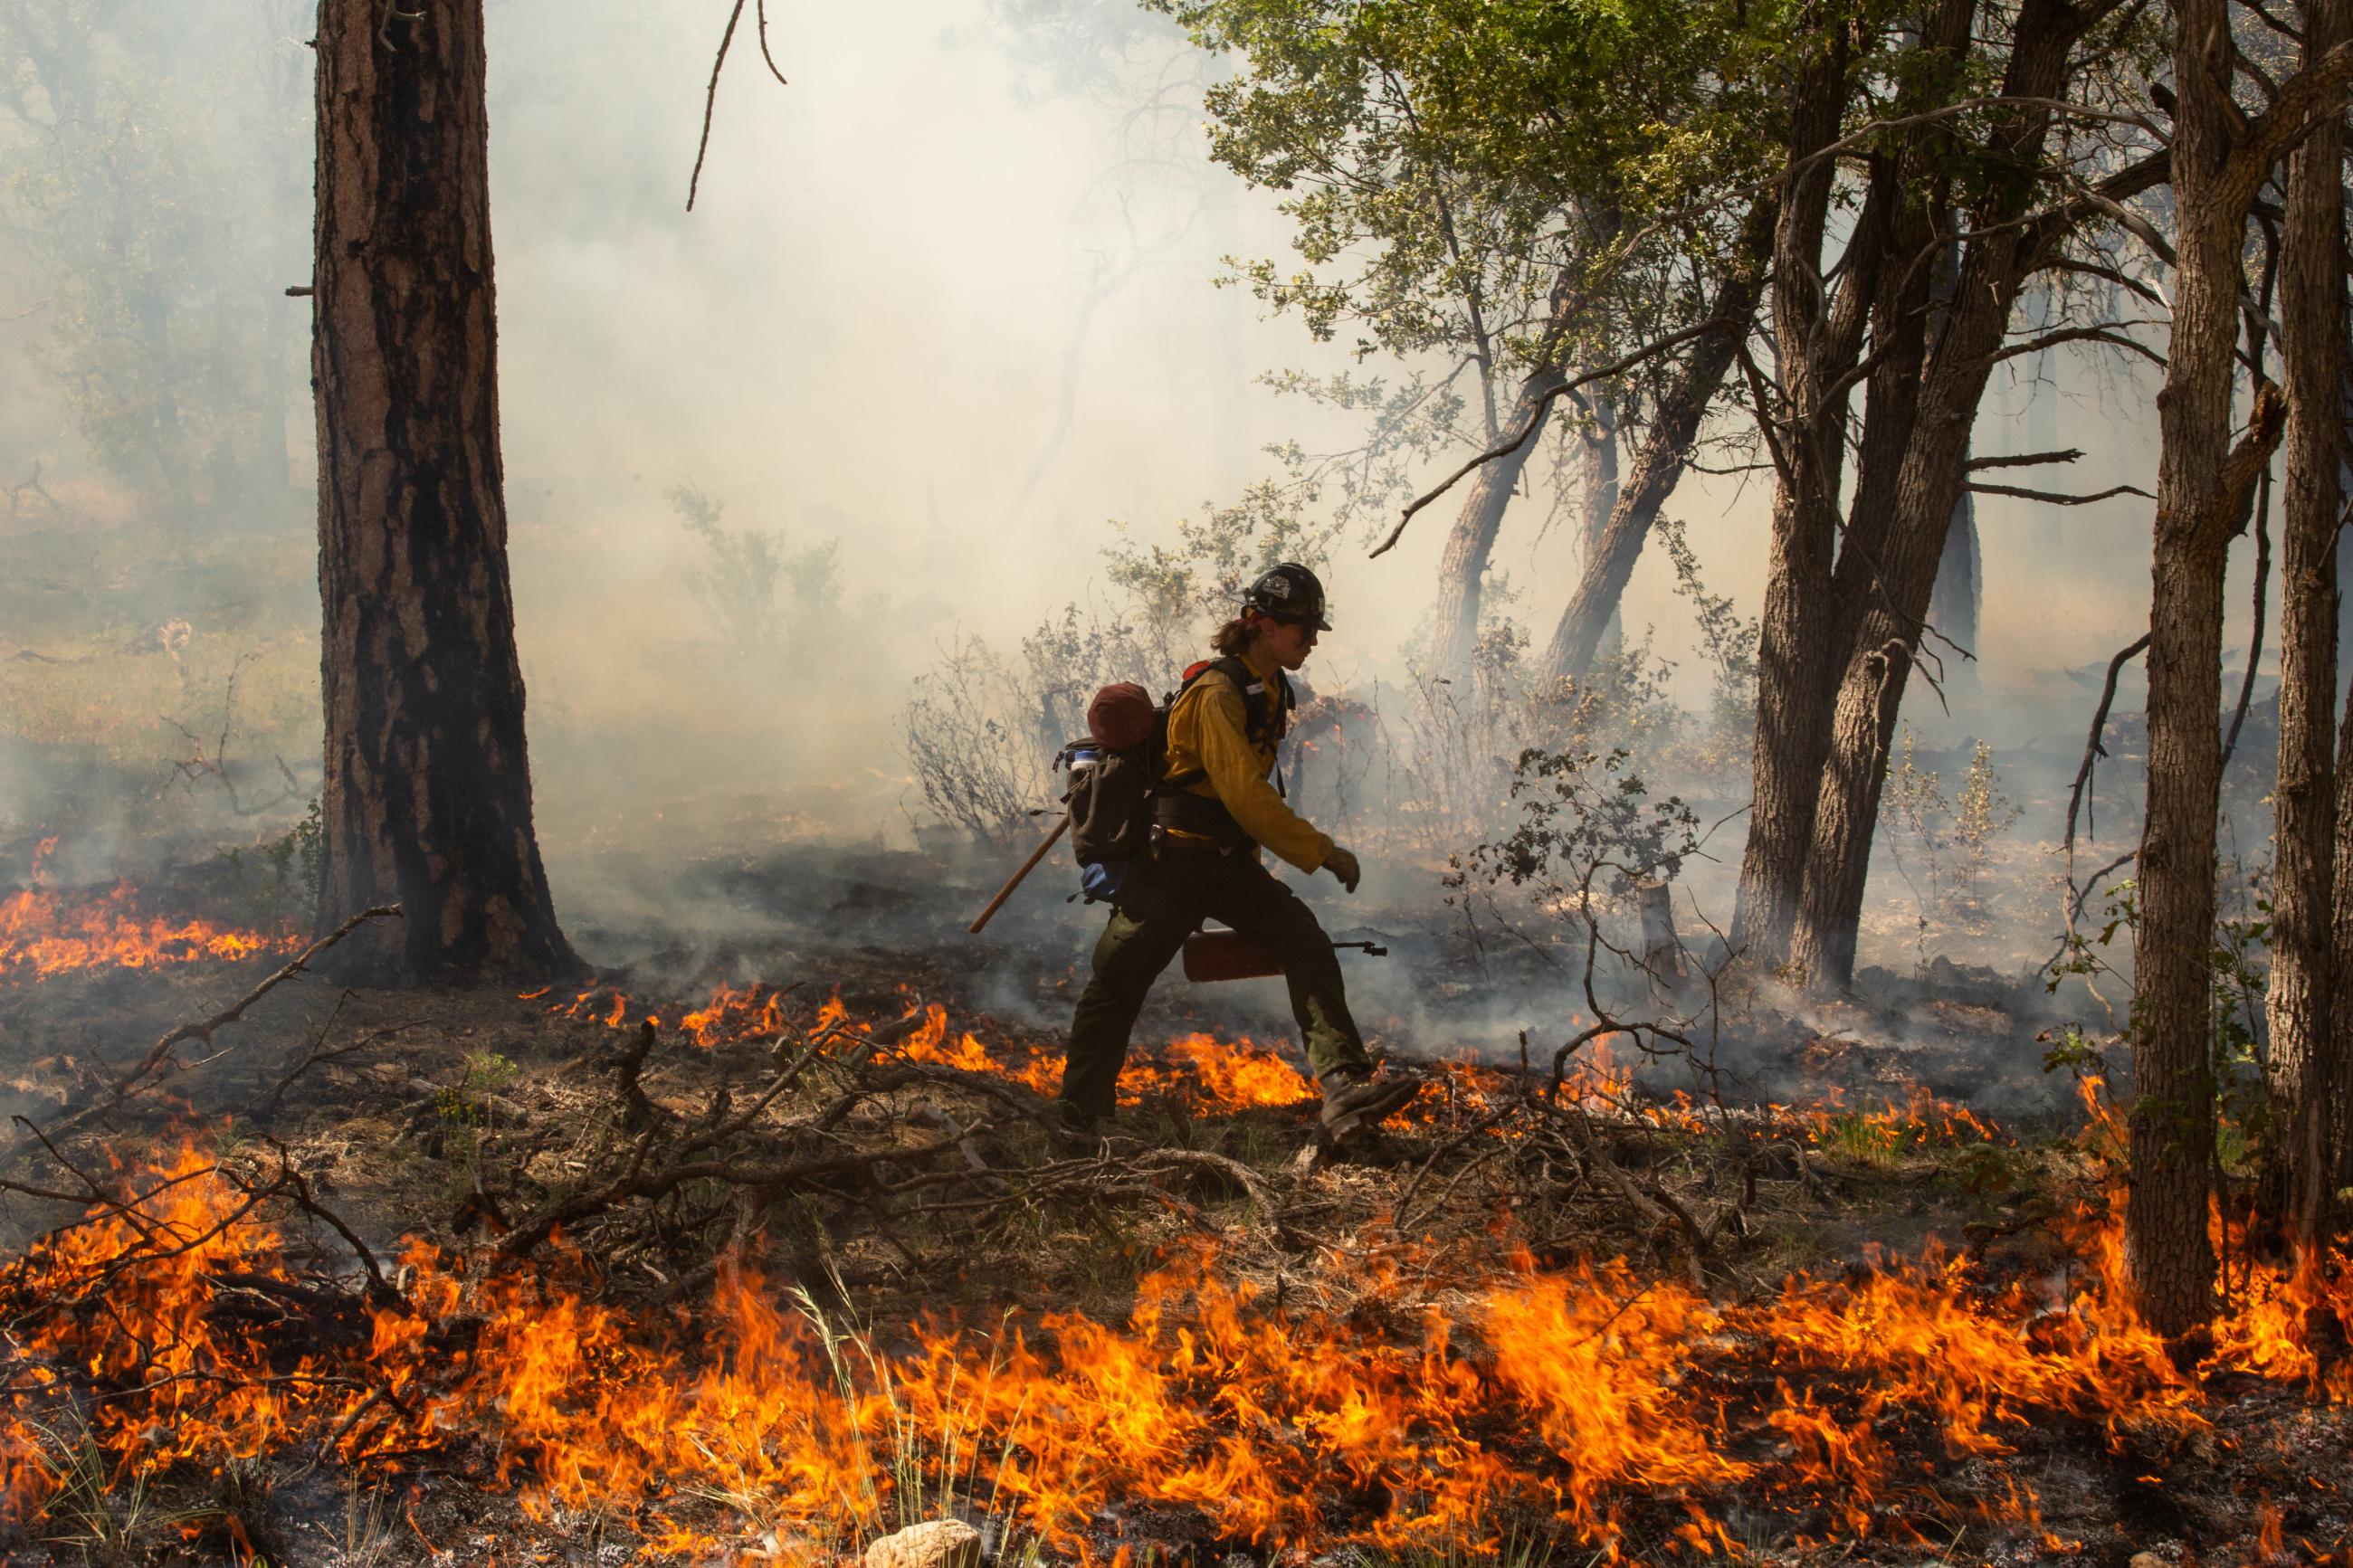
(1226, 955)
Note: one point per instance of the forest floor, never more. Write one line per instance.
(709, 1269)
(1848, 1299)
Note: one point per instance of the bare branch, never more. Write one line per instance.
(1542, 405)
(2091, 747)
(161, 1052)
(2055, 497)
(2026, 460)
(710, 93)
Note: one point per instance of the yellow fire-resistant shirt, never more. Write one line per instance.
(1209, 733)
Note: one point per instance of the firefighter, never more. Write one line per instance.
(1214, 809)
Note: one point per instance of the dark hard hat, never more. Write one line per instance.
(1289, 593)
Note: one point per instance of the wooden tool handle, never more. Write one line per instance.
(1014, 882)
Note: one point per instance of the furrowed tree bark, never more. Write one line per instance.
(427, 793)
(2338, 1133)
(1659, 461)
(1794, 641)
(2298, 1070)
(2171, 1123)
(1462, 567)
(1888, 574)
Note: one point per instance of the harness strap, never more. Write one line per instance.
(1266, 718)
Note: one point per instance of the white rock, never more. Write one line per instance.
(942, 1543)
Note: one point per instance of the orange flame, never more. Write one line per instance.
(1580, 1394)
(46, 932)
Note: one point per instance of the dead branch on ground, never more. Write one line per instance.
(159, 1057)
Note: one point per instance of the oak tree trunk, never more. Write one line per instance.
(2298, 1069)
(2340, 1055)
(1889, 573)
(1598, 491)
(2172, 1118)
(1462, 567)
(1794, 634)
(1659, 461)
(428, 794)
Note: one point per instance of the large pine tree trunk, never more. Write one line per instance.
(428, 798)
(2172, 1118)
(2312, 321)
(1794, 635)
(1659, 461)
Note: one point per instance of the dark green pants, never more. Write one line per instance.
(1163, 901)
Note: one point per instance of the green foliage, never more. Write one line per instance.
(2240, 962)
(469, 1113)
(280, 881)
(1481, 189)
(1444, 160)
(737, 580)
(2239, 965)
(1865, 1139)
(1588, 823)
(1942, 845)
(1729, 645)
(1197, 581)
(981, 726)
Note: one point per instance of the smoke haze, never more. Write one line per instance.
(959, 229)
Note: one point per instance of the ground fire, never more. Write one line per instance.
(1176, 783)
(47, 931)
(1402, 1385)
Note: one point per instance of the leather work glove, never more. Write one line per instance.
(1343, 865)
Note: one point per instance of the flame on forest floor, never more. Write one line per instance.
(1598, 1405)
(1240, 1074)
(46, 932)
(1227, 1075)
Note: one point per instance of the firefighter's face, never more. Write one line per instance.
(1289, 643)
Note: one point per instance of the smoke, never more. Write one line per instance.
(945, 309)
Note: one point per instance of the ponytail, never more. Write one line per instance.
(1230, 639)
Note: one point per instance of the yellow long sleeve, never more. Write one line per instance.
(1209, 733)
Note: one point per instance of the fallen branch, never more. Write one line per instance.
(637, 1180)
(160, 1054)
(1660, 1209)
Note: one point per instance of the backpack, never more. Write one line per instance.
(1116, 798)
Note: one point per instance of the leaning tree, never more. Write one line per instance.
(427, 793)
(1503, 196)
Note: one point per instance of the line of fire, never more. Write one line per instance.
(1307, 783)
